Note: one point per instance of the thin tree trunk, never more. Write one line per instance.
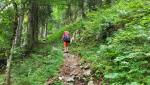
(46, 30)
(9, 60)
(20, 25)
(8, 82)
(8, 67)
(41, 32)
(14, 38)
(36, 26)
(15, 21)
(19, 30)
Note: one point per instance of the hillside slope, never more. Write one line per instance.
(116, 41)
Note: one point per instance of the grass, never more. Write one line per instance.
(43, 64)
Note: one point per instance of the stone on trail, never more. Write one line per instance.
(70, 79)
(87, 66)
(74, 72)
(87, 72)
(60, 78)
(90, 83)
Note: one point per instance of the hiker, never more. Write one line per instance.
(66, 39)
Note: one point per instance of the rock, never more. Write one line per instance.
(90, 83)
(87, 72)
(70, 79)
(87, 66)
(81, 66)
(60, 78)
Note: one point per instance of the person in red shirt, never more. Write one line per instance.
(66, 39)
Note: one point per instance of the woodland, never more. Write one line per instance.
(111, 38)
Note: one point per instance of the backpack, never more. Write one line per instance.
(66, 38)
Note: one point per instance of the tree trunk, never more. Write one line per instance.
(41, 33)
(36, 26)
(15, 21)
(9, 60)
(20, 24)
(14, 42)
(19, 30)
(46, 30)
(33, 30)
(8, 67)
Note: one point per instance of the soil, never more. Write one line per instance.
(71, 72)
(75, 72)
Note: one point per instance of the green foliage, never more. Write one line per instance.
(124, 57)
(42, 65)
(1, 78)
(57, 36)
(5, 29)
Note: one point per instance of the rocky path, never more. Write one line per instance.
(73, 72)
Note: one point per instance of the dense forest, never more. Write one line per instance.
(110, 42)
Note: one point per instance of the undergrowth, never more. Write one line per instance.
(43, 64)
(1, 79)
(123, 58)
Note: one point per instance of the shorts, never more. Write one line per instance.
(66, 44)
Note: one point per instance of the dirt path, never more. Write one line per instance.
(73, 73)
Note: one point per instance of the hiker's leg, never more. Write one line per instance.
(67, 49)
(65, 46)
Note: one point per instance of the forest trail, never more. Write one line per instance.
(73, 72)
